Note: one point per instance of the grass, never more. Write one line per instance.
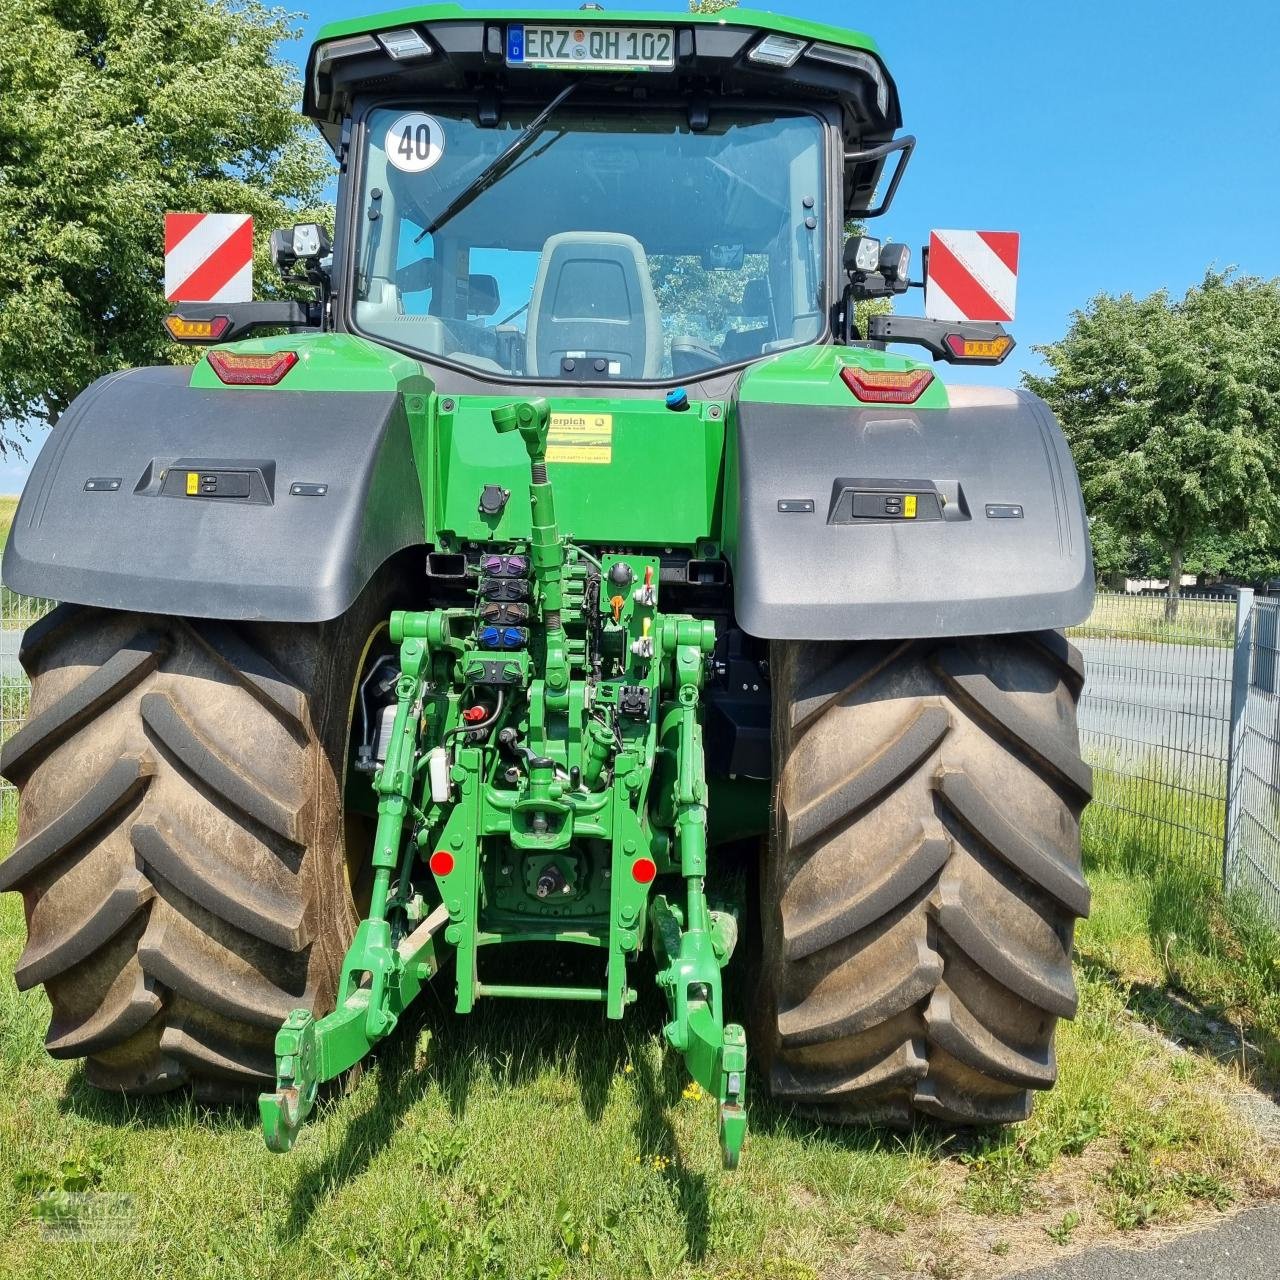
(1199, 962)
(528, 1142)
(1132, 617)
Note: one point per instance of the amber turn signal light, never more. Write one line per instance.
(182, 329)
(963, 348)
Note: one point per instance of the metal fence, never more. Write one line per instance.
(1180, 719)
(17, 613)
(1252, 859)
(1155, 718)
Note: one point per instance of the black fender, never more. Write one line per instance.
(320, 490)
(823, 545)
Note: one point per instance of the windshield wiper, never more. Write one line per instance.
(499, 166)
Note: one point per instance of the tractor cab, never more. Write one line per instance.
(624, 199)
(600, 198)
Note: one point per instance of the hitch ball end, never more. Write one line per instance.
(531, 418)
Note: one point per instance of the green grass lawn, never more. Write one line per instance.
(8, 504)
(538, 1141)
(1195, 958)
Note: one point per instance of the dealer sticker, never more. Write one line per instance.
(415, 143)
(580, 437)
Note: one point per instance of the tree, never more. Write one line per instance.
(1172, 410)
(711, 6)
(111, 112)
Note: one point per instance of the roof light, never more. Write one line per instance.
(404, 44)
(184, 329)
(859, 61)
(992, 349)
(777, 51)
(351, 47)
(332, 51)
(239, 370)
(887, 386)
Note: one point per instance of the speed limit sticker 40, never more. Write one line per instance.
(415, 143)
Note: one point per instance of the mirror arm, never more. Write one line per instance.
(246, 317)
(904, 147)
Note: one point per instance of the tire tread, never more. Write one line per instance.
(922, 974)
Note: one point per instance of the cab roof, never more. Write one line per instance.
(755, 18)
(461, 54)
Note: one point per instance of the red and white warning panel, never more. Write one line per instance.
(973, 275)
(208, 257)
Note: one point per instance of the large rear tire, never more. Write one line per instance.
(181, 851)
(923, 881)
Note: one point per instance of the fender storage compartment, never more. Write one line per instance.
(154, 496)
(887, 522)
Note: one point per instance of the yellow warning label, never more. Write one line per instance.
(193, 482)
(909, 506)
(580, 437)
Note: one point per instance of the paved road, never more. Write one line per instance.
(1243, 1247)
(9, 641)
(1139, 696)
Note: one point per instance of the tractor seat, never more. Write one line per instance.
(594, 298)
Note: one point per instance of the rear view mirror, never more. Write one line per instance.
(416, 277)
(724, 257)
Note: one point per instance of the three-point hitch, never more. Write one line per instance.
(543, 772)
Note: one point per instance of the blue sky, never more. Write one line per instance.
(1132, 143)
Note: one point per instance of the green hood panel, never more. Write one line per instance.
(626, 472)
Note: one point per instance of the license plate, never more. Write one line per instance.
(644, 48)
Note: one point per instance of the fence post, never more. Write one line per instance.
(1235, 732)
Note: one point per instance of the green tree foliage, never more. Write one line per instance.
(711, 6)
(1172, 410)
(111, 112)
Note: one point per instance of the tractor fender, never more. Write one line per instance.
(297, 498)
(825, 544)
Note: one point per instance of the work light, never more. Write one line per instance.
(777, 51)
(862, 254)
(895, 262)
(404, 44)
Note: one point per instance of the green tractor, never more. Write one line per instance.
(574, 535)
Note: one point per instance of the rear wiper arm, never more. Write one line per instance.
(496, 168)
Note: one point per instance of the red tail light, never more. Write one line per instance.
(239, 370)
(883, 386)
